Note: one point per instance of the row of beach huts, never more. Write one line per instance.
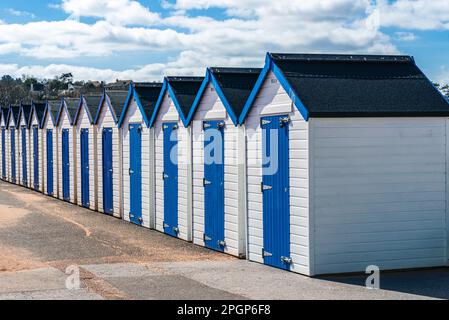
(316, 164)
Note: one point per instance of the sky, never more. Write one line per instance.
(147, 39)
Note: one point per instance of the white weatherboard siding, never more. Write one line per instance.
(211, 108)
(34, 123)
(48, 125)
(22, 173)
(64, 123)
(271, 100)
(134, 116)
(84, 123)
(168, 113)
(106, 120)
(379, 193)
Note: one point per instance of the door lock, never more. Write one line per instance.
(286, 260)
(176, 230)
(221, 243)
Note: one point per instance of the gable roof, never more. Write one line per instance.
(25, 112)
(51, 109)
(183, 91)
(71, 105)
(14, 113)
(90, 103)
(146, 96)
(39, 109)
(115, 100)
(3, 115)
(353, 86)
(233, 86)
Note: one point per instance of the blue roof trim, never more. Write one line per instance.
(224, 100)
(198, 97)
(271, 66)
(60, 111)
(158, 103)
(177, 106)
(133, 94)
(125, 109)
(256, 89)
(47, 112)
(82, 103)
(103, 100)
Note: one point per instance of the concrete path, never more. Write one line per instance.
(45, 244)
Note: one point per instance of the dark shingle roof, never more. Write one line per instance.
(117, 100)
(236, 84)
(148, 93)
(185, 90)
(26, 109)
(39, 108)
(54, 106)
(93, 102)
(72, 107)
(355, 85)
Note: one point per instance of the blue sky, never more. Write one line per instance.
(144, 40)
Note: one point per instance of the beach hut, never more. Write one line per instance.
(3, 143)
(86, 151)
(173, 156)
(219, 188)
(137, 151)
(35, 145)
(22, 141)
(108, 152)
(347, 159)
(50, 147)
(13, 148)
(66, 146)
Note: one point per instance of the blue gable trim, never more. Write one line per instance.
(83, 104)
(224, 100)
(125, 108)
(158, 103)
(61, 105)
(103, 100)
(271, 66)
(177, 106)
(132, 93)
(198, 97)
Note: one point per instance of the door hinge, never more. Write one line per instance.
(131, 215)
(130, 171)
(164, 176)
(206, 182)
(266, 253)
(221, 243)
(264, 122)
(286, 260)
(206, 238)
(166, 225)
(264, 187)
(206, 125)
(284, 120)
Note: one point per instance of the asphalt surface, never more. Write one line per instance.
(41, 237)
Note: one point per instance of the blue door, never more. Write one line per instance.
(170, 176)
(36, 156)
(214, 185)
(13, 155)
(24, 157)
(50, 190)
(3, 154)
(276, 192)
(84, 155)
(65, 165)
(108, 205)
(135, 173)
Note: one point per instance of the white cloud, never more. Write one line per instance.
(18, 13)
(443, 76)
(252, 28)
(405, 36)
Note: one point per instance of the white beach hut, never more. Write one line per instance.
(173, 156)
(3, 143)
(109, 162)
(67, 146)
(13, 147)
(22, 141)
(346, 165)
(35, 152)
(49, 146)
(86, 151)
(137, 153)
(219, 188)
